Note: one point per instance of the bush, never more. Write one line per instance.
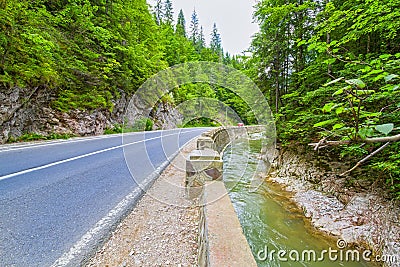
(143, 124)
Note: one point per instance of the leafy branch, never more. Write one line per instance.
(355, 94)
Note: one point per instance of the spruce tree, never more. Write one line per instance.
(181, 24)
(215, 43)
(168, 12)
(201, 42)
(194, 28)
(158, 12)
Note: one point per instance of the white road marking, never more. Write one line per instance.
(7, 148)
(107, 221)
(66, 258)
(81, 156)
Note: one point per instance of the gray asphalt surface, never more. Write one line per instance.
(47, 206)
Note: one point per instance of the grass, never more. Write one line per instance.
(27, 137)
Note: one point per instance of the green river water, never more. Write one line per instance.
(270, 221)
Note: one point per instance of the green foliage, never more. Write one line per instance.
(84, 52)
(117, 129)
(88, 53)
(113, 131)
(58, 136)
(357, 103)
(87, 101)
(385, 128)
(27, 137)
(331, 69)
(143, 124)
(201, 122)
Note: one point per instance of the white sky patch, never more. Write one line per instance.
(234, 19)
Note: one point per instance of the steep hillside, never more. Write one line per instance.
(70, 67)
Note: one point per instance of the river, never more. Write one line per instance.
(272, 222)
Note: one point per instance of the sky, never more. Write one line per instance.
(233, 18)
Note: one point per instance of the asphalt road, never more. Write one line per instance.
(58, 200)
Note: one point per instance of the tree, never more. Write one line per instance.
(215, 43)
(158, 12)
(279, 57)
(180, 28)
(194, 28)
(331, 70)
(201, 42)
(81, 54)
(168, 12)
(363, 61)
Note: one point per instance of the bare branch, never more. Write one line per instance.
(324, 142)
(365, 159)
(393, 138)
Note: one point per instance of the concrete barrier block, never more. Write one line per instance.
(208, 170)
(205, 154)
(202, 165)
(205, 142)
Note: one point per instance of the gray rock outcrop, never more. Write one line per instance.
(25, 110)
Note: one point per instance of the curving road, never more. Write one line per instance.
(59, 199)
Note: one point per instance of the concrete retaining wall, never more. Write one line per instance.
(221, 239)
(203, 253)
(222, 136)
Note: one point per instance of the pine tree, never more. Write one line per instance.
(168, 12)
(158, 12)
(215, 43)
(181, 24)
(227, 59)
(201, 42)
(194, 28)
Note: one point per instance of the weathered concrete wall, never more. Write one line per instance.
(221, 239)
(202, 165)
(226, 242)
(222, 136)
(203, 253)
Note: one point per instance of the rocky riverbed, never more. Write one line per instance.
(360, 215)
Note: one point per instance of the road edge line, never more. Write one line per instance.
(83, 250)
(48, 165)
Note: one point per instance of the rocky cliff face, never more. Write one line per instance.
(29, 111)
(166, 117)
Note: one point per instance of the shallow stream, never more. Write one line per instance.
(271, 221)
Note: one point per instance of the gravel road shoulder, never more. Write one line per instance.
(161, 230)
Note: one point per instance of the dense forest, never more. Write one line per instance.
(329, 69)
(88, 51)
(331, 72)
